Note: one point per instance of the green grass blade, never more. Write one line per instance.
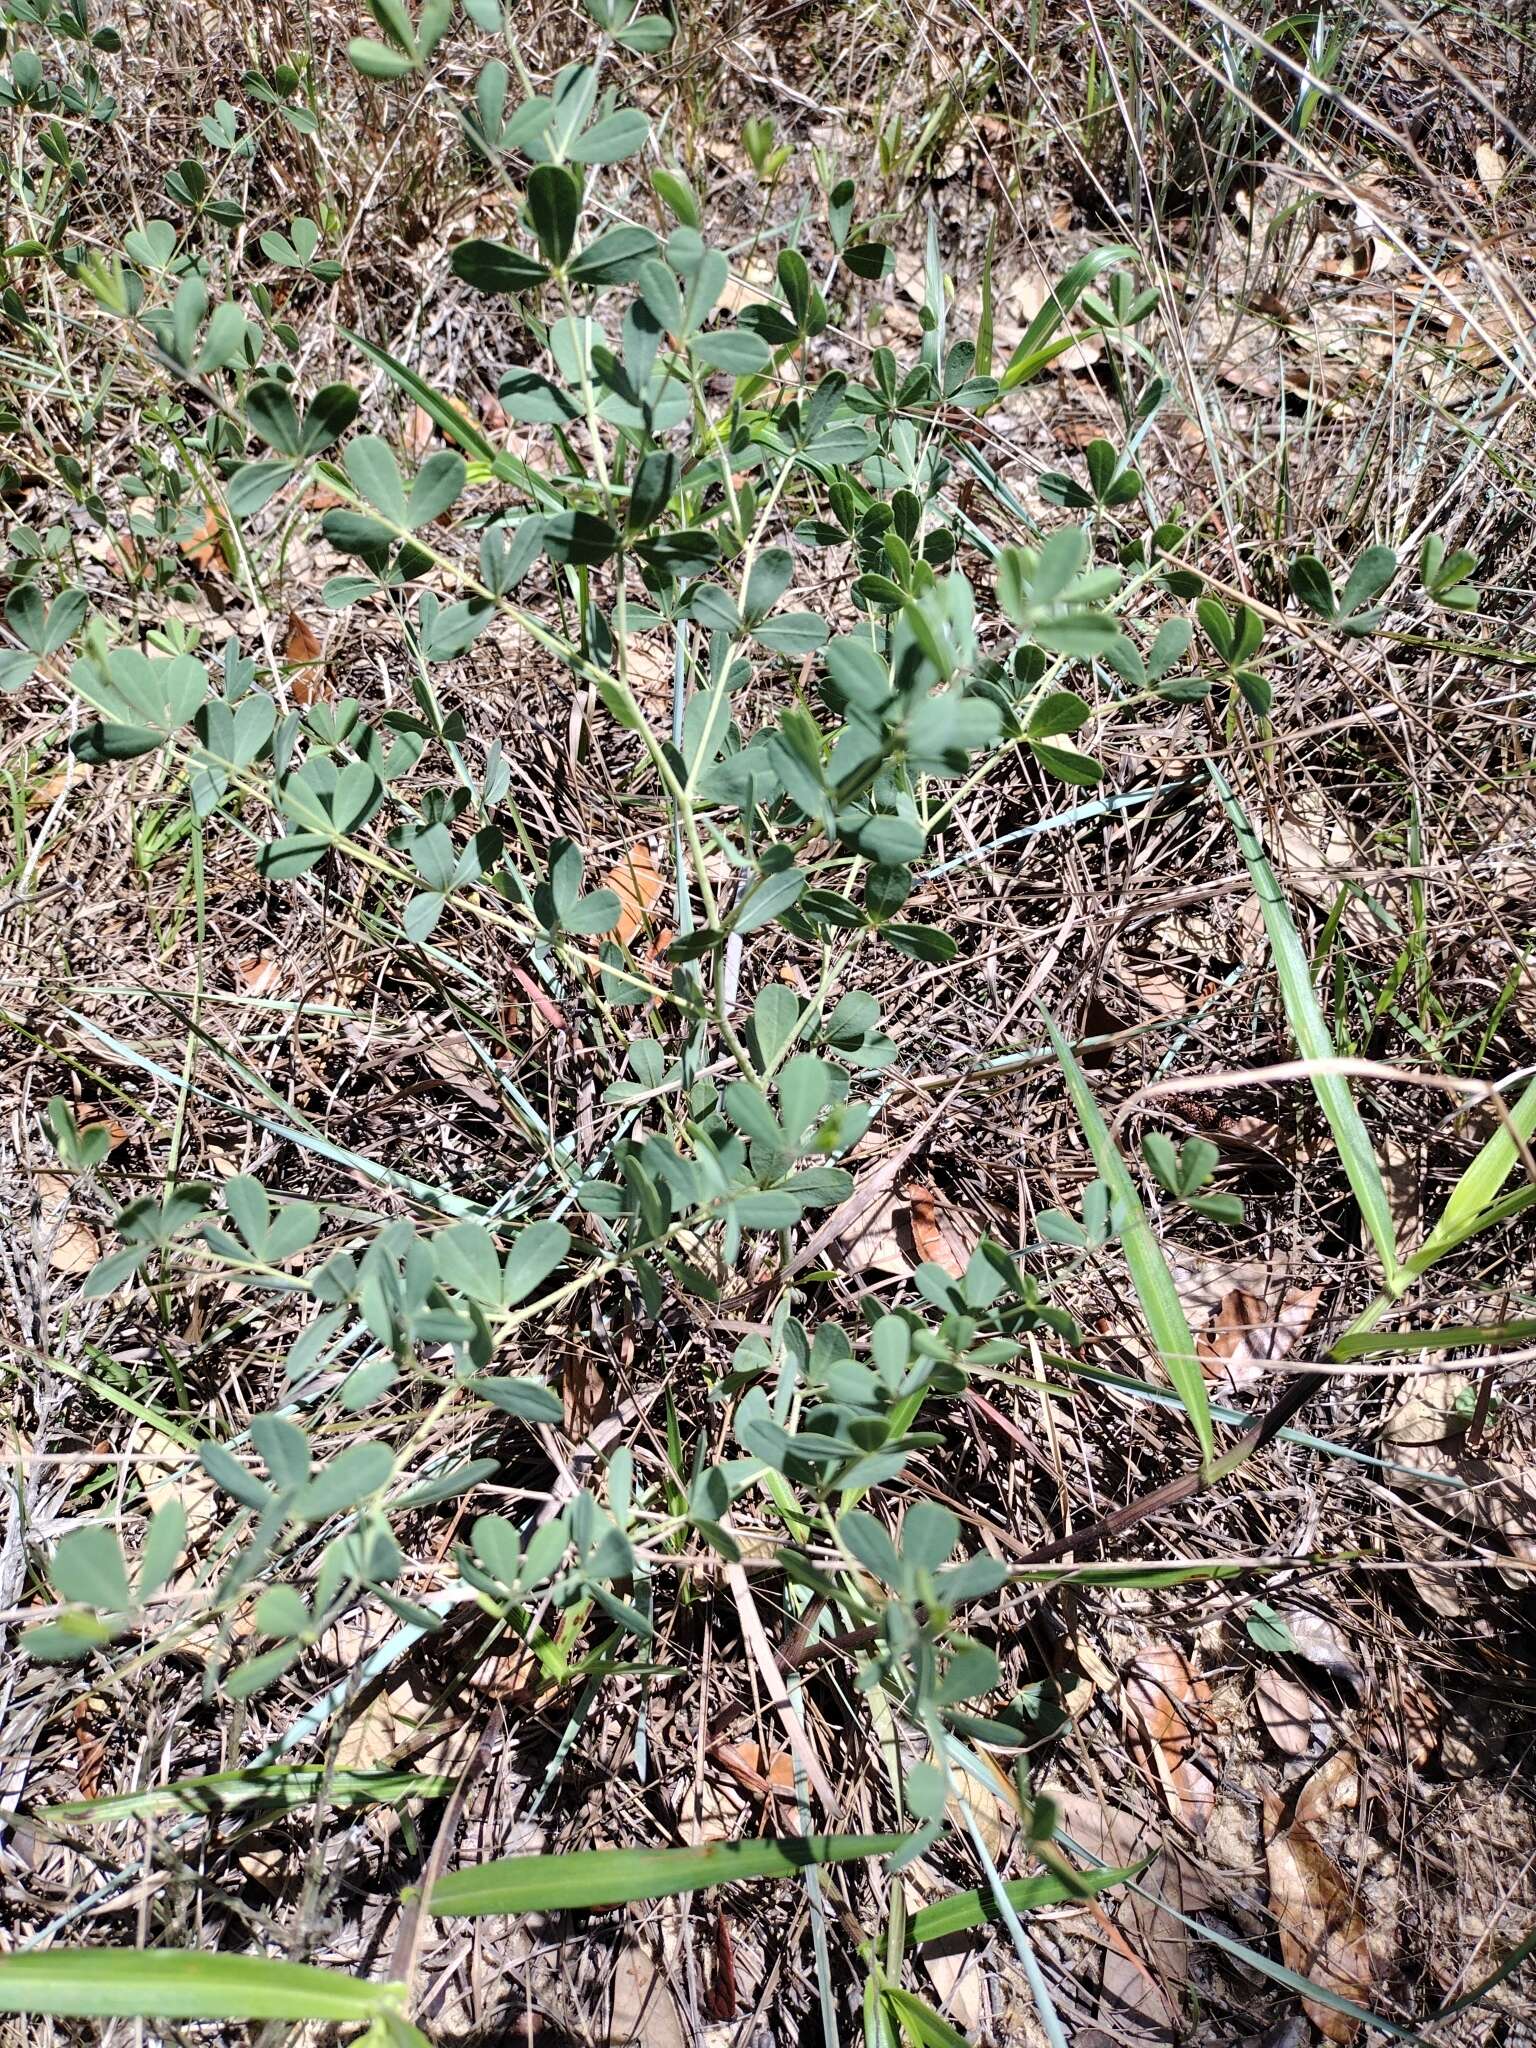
(457, 425)
(1313, 1039)
(1159, 1298)
(164, 1984)
(978, 1908)
(615, 1877)
(919, 2022)
(1473, 1226)
(1465, 1337)
(279, 1785)
(1478, 1188)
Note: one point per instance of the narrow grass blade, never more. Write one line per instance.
(1150, 1276)
(1477, 1190)
(282, 1785)
(164, 1984)
(1465, 1337)
(614, 1877)
(978, 1908)
(456, 424)
(919, 2022)
(1313, 1038)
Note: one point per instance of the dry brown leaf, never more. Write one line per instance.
(72, 1246)
(1167, 1716)
(1429, 1431)
(1245, 1339)
(393, 1724)
(168, 1472)
(419, 432)
(260, 973)
(1492, 170)
(994, 1814)
(207, 544)
(710, 1811)
(1293, 1717)
(642, 2008)
(584, 1393)
(743, 1761)
(1322, 1641)
(1148, 1955)
(870, 1241)
(1322, 1933)
(636, 881)
(957, 1975)
(1332, 1789)
(939, 1232)
(301, 643)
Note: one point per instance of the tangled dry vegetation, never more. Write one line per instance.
(1289, 1690)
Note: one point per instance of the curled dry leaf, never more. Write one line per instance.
(1293, 1718)
(584, 1392)
(710, 1811)
(399, 1723)
(1167, 1718)
(939, 1232)
(636, 881)
(1332, 1789)
(1322, 1932)
(1429, 1430)
(301, 643)
(1245, 1338)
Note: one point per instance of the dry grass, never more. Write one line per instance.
(1345, 322)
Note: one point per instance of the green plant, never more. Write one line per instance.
(692, 493)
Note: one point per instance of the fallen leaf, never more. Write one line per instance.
(396, 1723)
(956, 1973)
(1332, 1789)
(1322, 1641)
(1024, 297)
(1147, 1959)
(721, 1999)
(642, 2008)
(419, 432)
(1429, 1430)
(1292, 1717)
(710, 1811)
(864, 1226)
(207, 544)
(260, 973)
(1245, 1338)
(72, 1246)
(1491, 168)
(169, 1472)
(1167, 1713)
(636, 881)
(994, 1813)
(584, 1393)
(1322, 1934)
(938, 1231)
(301, 644)
(92, 1746)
